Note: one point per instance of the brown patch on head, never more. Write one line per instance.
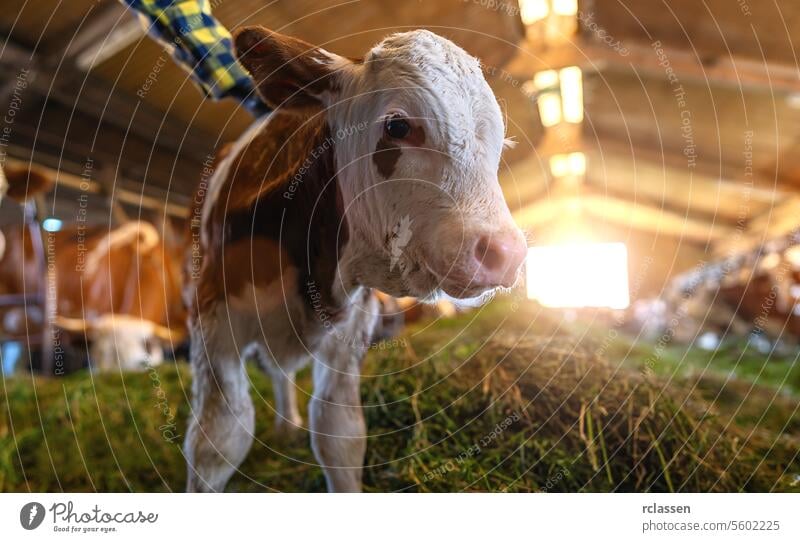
(386, 155)
(388, 150)
(416, 138)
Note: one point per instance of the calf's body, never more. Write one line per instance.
(264, 288)
(377, 173)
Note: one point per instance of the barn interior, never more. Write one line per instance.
(658, 323)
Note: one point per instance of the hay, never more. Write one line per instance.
(489, 407)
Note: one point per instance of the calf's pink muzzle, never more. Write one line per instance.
(497, 259)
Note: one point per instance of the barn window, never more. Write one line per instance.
(572, 93)
(558, 95)
(533, 10)
(545, 88)
(579, 275)
(568, 165)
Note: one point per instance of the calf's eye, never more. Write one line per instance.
(397, 127)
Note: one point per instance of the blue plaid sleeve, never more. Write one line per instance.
(201, 45)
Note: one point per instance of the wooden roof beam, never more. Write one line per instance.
(138, 200)
(625, 213)
(107, 103)
(642, 184)
(107, 29)
(674, 163)
(656, 61)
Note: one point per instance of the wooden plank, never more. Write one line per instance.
(622, 212)
(641, 175)
(758, 31)
(673, 166)
(542, 212)
(107, 103)
(53, 134)
(137, 199)
(648, 61)
(653, 219)
(96, 30)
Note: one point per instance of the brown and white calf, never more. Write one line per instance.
(373, 173)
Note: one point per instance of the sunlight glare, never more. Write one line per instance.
(533, 10)
(579, 275)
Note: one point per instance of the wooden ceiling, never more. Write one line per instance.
(692, 107)
(350, 28)
(692, 123)
(763, 31)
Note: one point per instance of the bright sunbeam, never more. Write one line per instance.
(579, 275)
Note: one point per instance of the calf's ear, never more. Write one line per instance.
(289, 73)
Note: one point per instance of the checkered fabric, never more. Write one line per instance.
(201, 45)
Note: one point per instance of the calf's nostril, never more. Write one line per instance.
(491, 254)
(498, 258)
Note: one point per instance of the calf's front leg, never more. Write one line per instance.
(338, 430)
(222, 420)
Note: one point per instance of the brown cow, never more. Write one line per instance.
(119, 286)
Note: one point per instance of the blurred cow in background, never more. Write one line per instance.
(687, 315)
(116, 289)
(17, 183)
(118, 341)
(755, 296)
(129, 285)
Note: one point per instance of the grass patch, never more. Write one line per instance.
(495, 400)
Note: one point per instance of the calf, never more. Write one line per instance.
(378, 173)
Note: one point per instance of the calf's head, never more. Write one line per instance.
(417, 136)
